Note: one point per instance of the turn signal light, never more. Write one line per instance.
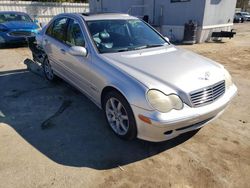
(144, 119)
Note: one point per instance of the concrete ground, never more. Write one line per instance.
(53, 136)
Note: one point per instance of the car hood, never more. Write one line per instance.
(169, 69)
(20, 25)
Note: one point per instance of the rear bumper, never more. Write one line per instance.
(246, 18)
(169, 125)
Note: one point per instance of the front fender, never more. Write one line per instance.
(109, 75)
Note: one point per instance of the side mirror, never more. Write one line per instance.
(167, 39)
(78, 51)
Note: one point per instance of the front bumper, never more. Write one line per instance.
(165, 126)
(6, 38)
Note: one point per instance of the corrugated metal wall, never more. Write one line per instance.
(133, 7)
(43, 11)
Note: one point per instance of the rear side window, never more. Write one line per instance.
(74, 35)
(49, 29)
(57, 29)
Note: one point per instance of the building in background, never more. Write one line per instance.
(170, 16)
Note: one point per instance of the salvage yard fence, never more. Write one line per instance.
(43, 11)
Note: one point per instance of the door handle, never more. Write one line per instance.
(62, 51)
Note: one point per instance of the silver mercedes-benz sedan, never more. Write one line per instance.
(147, 87)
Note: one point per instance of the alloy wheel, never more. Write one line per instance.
(117, 116)
(48, 70)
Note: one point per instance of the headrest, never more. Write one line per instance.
(104, 35)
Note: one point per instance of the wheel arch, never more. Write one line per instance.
(108, 89)
(133, 130)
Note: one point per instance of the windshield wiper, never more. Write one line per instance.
(148, 46)
(140, 47)
(123, 49)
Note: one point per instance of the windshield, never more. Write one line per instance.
(123, 35)
(8, 17)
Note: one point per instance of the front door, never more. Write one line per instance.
(77, 66)
(60, 36)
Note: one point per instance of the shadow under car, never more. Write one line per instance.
(67, 127)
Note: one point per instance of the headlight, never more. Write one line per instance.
(164, 103)
(36, 30)
(3, 28)
(228, 79)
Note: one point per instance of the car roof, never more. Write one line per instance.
(13, 12)
(106, 16)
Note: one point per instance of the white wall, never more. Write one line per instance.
(219, 12)
(43, 11)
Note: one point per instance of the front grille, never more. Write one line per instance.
(21, 33)
(207, 95)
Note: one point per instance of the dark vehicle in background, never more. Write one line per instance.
(16, 27)
(238, 18)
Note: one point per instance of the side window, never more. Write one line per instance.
(57, 29)
(74, 35)
(49, 29)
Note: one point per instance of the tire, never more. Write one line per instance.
(119, 116)
(48, 71)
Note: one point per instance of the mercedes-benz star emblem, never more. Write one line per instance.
(206, 76)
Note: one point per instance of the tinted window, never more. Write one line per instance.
(58, 30)
(75, 35)
(49, 29)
